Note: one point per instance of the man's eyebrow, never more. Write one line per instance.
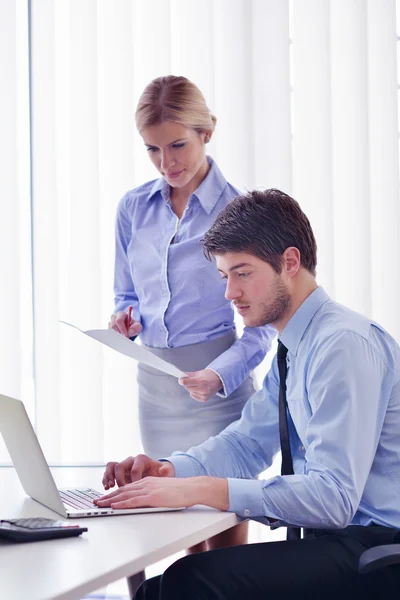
(238, 266)
(170, 143)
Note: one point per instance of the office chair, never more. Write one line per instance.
(379, 557)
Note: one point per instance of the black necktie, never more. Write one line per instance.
(293, 533)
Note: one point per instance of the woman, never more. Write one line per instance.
(176, 295)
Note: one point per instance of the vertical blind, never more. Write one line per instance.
(16, 331)
(305, 93)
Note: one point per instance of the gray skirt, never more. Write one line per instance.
(169, 418)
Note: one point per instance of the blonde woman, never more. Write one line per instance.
(177, 296)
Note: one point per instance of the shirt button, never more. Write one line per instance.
(301, 448)
(246, 512)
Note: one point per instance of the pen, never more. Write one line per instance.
(128, 322)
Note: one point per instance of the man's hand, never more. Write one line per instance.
(202, 385)
(135, 468)
(169, 492)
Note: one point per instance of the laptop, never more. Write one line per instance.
(35, 475)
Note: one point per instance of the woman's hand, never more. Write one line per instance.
(202, 385)
(119, 322)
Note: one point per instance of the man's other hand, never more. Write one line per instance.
(135, 468)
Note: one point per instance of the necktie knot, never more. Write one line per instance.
(282, 351)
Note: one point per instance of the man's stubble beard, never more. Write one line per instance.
(277, 306)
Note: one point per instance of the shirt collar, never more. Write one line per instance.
(299, 322)
(208, 193)
(160, 185)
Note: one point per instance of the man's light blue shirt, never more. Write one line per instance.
(343, 393)
(175, 292)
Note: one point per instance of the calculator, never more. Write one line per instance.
(37, 528)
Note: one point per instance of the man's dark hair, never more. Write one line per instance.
(263, 223)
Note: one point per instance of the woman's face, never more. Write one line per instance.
(178, 153)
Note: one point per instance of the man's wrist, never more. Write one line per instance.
(167, 467)
(210, 491)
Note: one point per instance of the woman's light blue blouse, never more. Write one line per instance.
(175, 292)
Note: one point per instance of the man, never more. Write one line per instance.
(339, 374)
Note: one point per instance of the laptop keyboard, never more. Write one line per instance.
(79, 498)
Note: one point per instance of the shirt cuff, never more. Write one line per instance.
(222, 393)
(185, 466)
(231, 377)
(245, 497)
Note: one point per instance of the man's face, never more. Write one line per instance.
(259, 293)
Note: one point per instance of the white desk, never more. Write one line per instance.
(113, 548)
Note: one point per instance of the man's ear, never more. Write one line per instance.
(291, 261)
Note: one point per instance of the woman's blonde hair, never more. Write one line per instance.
(176, 99)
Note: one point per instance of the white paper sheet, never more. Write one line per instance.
(124, 345)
